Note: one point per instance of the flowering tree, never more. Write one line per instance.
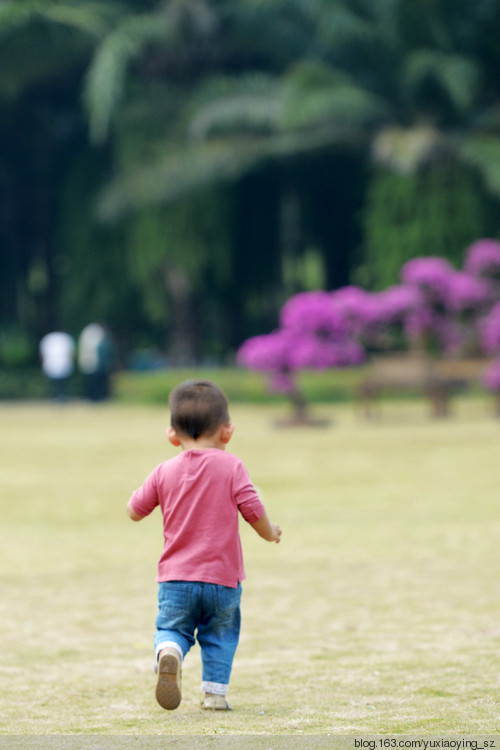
(490, 339)
(483, 260)
(447, 306)
(315, 334)
(435, 309)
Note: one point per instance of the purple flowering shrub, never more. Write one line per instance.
(490, 339)
(490, 331)
(430, 276)
(483, 259)
(435, 307)
(449, 306)
(491, 377)
(314, 335)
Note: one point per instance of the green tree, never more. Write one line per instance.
(230, 146)
(438, 210)
(41, 127)
(194, 96)
(415, 90)
(435, 183)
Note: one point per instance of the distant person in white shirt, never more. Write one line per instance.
(57, 353)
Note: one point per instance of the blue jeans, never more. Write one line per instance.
(213, 613)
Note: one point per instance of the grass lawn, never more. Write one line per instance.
(377, 614)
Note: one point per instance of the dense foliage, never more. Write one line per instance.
(179, 168)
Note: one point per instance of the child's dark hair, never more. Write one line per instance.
(198, 407)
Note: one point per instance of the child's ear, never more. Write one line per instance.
(172, 436)
(227, 433)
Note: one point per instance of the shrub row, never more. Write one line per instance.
(241, 386)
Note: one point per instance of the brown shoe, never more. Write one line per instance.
(168, 686)
(215, 702)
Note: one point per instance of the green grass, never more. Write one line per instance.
(378, 612)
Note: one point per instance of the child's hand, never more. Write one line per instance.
(271, 532)
(276, 533)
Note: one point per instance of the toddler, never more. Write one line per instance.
(200, 570)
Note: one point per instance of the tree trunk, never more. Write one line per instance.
(182, 347)
(290, 238)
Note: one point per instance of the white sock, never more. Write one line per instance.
(169, 644)
(216, 688)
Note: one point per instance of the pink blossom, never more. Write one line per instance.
(397, 301)
(490, 331)
(319, 354)
(419, 321)
(312, 312)
(450, 335)
(483, 258)
(286, 351)
(430, 274)
(267, 353)
(435, 305)
(491, 377)
(466, 292)
(356, 306)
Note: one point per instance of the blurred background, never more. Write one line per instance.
(177, 169)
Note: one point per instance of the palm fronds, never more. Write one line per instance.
(88, 17)
(184, 170)
(483, 152)
(316, 94)
(106, 76)
(457, 76)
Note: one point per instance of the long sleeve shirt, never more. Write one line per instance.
(200, 493)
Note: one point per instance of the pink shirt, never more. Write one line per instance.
(200, 493)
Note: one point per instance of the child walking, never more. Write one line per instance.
(200, 493)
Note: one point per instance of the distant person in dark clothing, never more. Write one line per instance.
(95, 361)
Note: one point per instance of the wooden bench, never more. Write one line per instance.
(437, 379)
